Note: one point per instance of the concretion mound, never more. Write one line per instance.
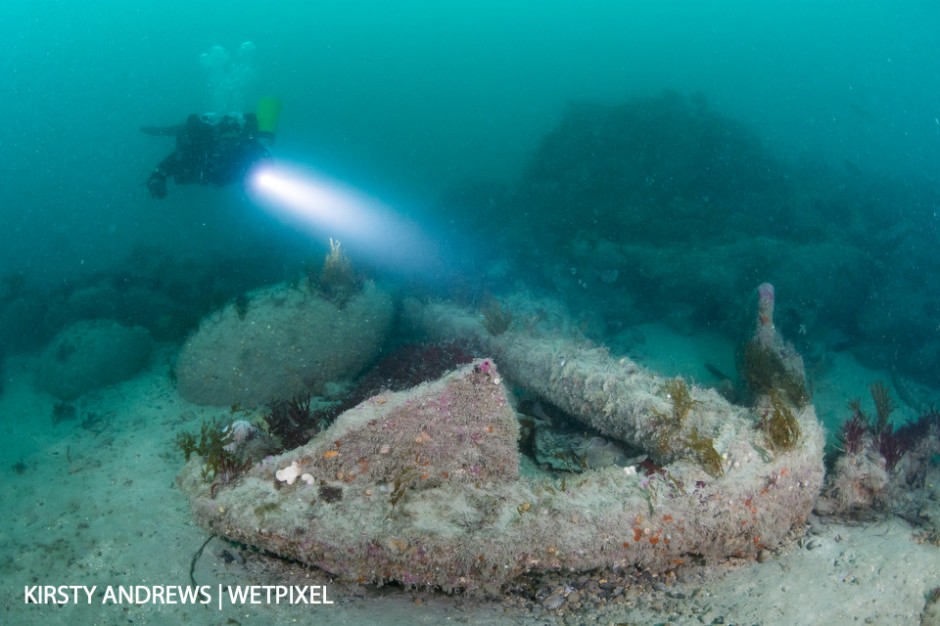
(423, 486)
(91, 354)
(279, 342)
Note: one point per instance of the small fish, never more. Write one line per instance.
(717, 373)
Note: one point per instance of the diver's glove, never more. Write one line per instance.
(156, 185)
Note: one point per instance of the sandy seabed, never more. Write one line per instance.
(92, 501)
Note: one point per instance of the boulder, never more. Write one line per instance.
(92, 354)
(279, 342)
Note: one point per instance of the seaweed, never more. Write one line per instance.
(220, 463)
(677, 391)
(764, 370)
(852, 436)
(336, 281)
(890, 447)
(403, 481)
(884, 405)
(404, 368)
(780, 424)
(703, 449)
(292, 421)
(412, 364)
(879, 433)
(925, 426)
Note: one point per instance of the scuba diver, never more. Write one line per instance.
(214, 149)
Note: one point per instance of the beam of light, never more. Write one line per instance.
(327, 208)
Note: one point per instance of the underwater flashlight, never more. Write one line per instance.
(328, 208)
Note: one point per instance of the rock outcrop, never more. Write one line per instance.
(279, 342)
(92, 354)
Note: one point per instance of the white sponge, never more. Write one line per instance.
(289, 474)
